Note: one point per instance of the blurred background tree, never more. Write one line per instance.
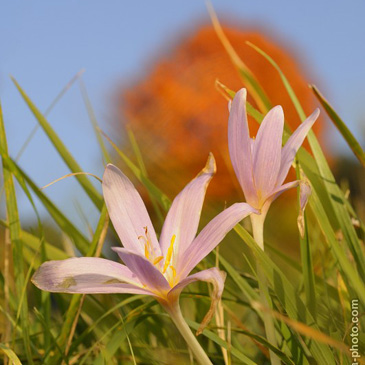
(178, 116)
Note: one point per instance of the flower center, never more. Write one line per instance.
(166, 269)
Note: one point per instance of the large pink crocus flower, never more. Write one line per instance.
(159, 268)
(261, 164)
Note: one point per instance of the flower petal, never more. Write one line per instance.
(278, 191)
(88, 275)
(146, 272)
(240, 145)
(127, 211)
(304, 194)
(293, 144)
(211, 235)
(214, 276)
(267, 151)
(183, 217)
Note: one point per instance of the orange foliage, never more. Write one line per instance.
(178, 116)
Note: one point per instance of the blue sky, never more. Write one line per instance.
(43, 44)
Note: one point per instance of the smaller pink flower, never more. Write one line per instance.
(262, 164)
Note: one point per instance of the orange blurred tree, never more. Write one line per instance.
(178, 116)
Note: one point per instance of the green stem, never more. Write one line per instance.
(258, 234)
(173, 309)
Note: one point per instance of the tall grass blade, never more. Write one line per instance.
(17, 244)
(252, 84)
(287, 296)
(94, 122)
(10, 354)
(61, 220)
(161, 198)
(143, 170)
(306, 257)
(62, 150)
(341, 126)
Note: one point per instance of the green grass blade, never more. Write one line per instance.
(10, 354)
(349, 274)
(17, 244)
(62, 221)
(94, 122)
(287, 296)
(341, 126)
(62, 150)
(215, 338)
(124, 328)
(306, 258)
(143, 170)
(160, 197)
(48, 110)
(76, 301)
(252, 84)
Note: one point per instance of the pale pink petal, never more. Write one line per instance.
(88, 275)
(127, 211)
(147, 273)
(267, 151)
(278, 191)
(211, 235)
(214, 276)
(293, 144)
(239, 144)
(183, 217)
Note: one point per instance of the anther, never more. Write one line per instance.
(169, 254)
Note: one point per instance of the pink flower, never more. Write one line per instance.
(159, 268)
(262, 164)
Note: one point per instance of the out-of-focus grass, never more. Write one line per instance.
(311, 295)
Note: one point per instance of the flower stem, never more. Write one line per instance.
(173, 309)
(258, 234)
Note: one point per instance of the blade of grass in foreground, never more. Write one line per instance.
(73, 310)
(10, 354)
(287, 296)
(252, 84)
(306, 256)
(341, 126)
(162, 199)
(143, 170)
(62, 150)
(94, 121)
(48, 110)
(61, 220)
(17, 244)
(215, 338)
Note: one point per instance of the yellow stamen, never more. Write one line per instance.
(173, 271)
(146, 252)
(147, 237)
(157, 260)
(169, 254)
